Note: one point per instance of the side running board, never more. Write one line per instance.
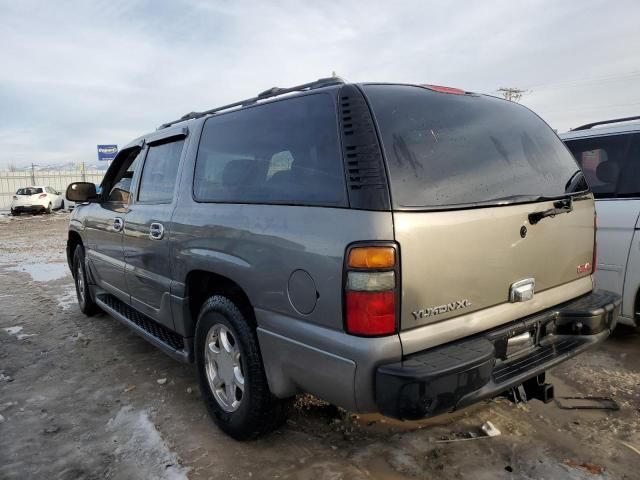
(171, 343)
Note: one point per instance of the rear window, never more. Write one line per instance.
(611, 164)
(285, 152)
(447, 150)
(28, 191)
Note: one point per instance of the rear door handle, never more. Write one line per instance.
(118, 224)
(156, 231)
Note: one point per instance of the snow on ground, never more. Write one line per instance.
(141, 448)
(43, 272)
(15, 331)
(68, 298)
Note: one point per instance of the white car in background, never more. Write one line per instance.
(609, 154)
(36, 199)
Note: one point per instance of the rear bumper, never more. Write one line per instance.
(30, 208)
(458, 374)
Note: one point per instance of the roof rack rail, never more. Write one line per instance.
(587, 126)
(272, 92)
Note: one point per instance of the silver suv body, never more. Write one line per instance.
(608, 153)
(397, 248)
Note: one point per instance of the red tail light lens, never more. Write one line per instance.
(371, 292)
(42, 195)
(441, 89)
(595, 244)
(371, 313)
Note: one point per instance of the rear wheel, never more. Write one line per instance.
(48, 209)
(85, 302)
(14, 213)
(231, 373)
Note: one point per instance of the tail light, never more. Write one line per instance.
(441, 89)
(42, 195)
(595, 244)
(371, 290)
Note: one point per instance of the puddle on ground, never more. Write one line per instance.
(43, 272)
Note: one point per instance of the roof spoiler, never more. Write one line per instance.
(587, 126)
(272, 92)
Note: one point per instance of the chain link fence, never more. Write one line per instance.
(10, 181)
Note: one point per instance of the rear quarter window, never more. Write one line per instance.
(284, 152)
(454, 150)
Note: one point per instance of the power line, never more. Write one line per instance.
(579, 108)
(589, 80)
(576, 82)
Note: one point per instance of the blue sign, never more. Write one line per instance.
(106, 153)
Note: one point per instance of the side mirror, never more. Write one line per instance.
(82, 192)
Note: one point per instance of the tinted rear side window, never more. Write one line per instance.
(447, 150)
(282, 152)
(610, 164)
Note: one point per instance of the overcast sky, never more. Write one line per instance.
(75, 74)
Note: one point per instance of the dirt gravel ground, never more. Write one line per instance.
(84, 398)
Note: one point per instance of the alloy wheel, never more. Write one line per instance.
(224, 367)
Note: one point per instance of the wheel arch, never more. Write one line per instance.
(203, 284)
(73, 240)
(636, 305)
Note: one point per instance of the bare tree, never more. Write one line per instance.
(512, 94)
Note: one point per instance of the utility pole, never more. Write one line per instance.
(33, 174)
(512, 94)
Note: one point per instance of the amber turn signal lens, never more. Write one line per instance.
(372, 257)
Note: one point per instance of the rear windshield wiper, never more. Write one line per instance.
(561, 206)
(515, 199)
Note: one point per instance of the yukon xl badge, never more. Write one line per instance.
(433, 311)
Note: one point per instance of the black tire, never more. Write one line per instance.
(14, 213)
(48, 209)
(85, 301)
(62, 205)
(259, 411)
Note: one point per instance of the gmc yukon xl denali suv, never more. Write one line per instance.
(405, 249)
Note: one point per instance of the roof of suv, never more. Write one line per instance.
(322, 84)
(604, 128)
(270, 93)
